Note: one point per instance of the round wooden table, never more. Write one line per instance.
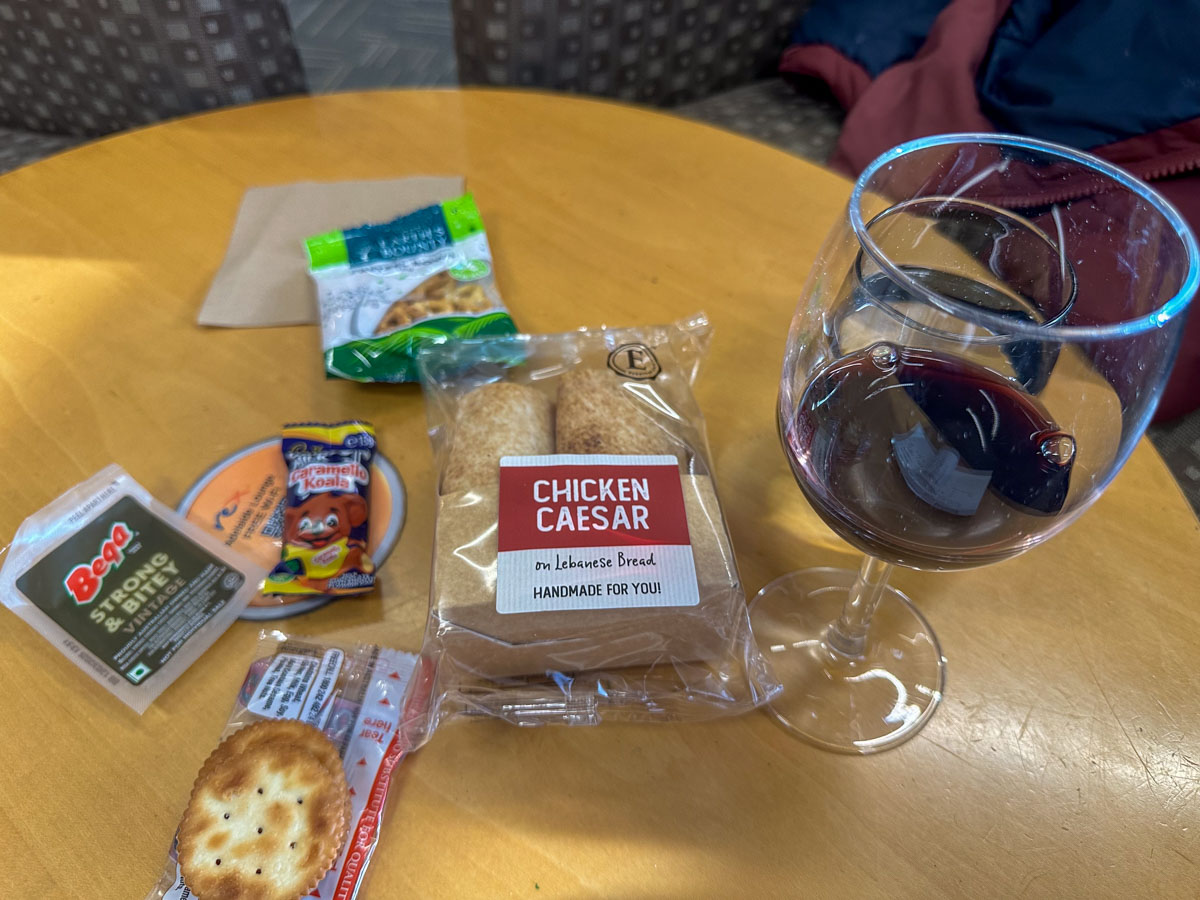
(1065, 760)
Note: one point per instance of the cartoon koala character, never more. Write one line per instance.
(317, 534)
(323, 518)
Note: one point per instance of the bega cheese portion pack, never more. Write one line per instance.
(385, 290)
(125, 587)
(582, 569)
(357, 695)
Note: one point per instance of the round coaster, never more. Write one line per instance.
(240, 501)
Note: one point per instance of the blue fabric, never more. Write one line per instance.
(1090, 72)
(874, 34)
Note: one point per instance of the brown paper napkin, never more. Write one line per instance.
(264, 278)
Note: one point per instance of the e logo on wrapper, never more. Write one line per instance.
(635, 361)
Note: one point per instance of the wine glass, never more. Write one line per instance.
(977, 351)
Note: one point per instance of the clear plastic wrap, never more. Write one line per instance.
(582, 567)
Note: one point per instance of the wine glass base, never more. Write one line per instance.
(841, 703)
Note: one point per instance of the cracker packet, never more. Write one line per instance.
(582, 568)
(385, 290)
(358, 696)
(125, 587)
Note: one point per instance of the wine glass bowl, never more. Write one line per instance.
(977, 351)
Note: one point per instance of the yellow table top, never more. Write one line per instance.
(1064, 760)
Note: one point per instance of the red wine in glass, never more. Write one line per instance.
(927, 459)
(979, 345)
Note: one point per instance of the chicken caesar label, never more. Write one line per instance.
(130, 588)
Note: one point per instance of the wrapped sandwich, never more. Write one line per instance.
(582, 568)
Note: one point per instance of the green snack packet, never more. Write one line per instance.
(384, 291)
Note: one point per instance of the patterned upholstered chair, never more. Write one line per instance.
(663, 52)
(711, 59)
(73, 69)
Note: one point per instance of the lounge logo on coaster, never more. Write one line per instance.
(635, 361)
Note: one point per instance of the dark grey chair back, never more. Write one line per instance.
(89, 67)
(662, 52)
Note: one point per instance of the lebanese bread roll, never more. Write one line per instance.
(499, 419)
(597, 415)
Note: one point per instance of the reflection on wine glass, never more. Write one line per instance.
(979, 347)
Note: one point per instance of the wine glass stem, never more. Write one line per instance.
(848, 635)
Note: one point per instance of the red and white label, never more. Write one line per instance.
(592, 532)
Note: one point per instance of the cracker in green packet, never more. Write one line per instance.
(385, 290)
